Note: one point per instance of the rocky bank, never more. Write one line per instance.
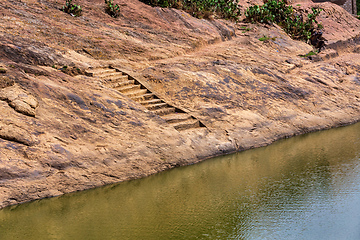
(68, 123)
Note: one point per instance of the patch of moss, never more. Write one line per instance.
(311, 53)
(266, 38)
(245, 29)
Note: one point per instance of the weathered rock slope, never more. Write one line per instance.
(95, 100)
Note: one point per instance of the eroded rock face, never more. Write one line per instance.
(12, 132)
(19, 99)
(6, 82)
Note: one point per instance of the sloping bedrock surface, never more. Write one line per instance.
(260, 90)
(141, 32)
(83, 134)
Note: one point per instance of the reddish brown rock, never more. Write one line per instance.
(19, 99)
(12, 132)
(92, 130)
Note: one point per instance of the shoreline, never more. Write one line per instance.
(197, 160)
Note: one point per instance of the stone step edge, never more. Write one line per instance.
(148, 95)
(191, 123)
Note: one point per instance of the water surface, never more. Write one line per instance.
(307, 187)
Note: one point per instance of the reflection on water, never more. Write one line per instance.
(307, 187)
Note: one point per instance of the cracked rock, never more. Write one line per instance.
(19, 99)
(12, 132)
(6, 82)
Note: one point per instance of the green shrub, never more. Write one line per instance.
(292, 22)
(112, 9)
(72, 9)
(227, 9)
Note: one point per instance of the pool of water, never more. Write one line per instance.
(306, 187)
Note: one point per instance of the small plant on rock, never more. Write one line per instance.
(267, 38)
(112, 9)
(309, 54)
(72, 9)
(72, 71)
(245, 29)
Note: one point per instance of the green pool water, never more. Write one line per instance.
(306, 187)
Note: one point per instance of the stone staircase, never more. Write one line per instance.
(133, 89)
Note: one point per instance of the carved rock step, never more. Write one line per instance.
(128, 88)
(164, 111)
(143, 97)
(151, 101)
(176, 117)
(117, 78)
(157, 106)
(120, 84)
(99, 71)
(137, 93)
(110, 75)
(191, 123)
